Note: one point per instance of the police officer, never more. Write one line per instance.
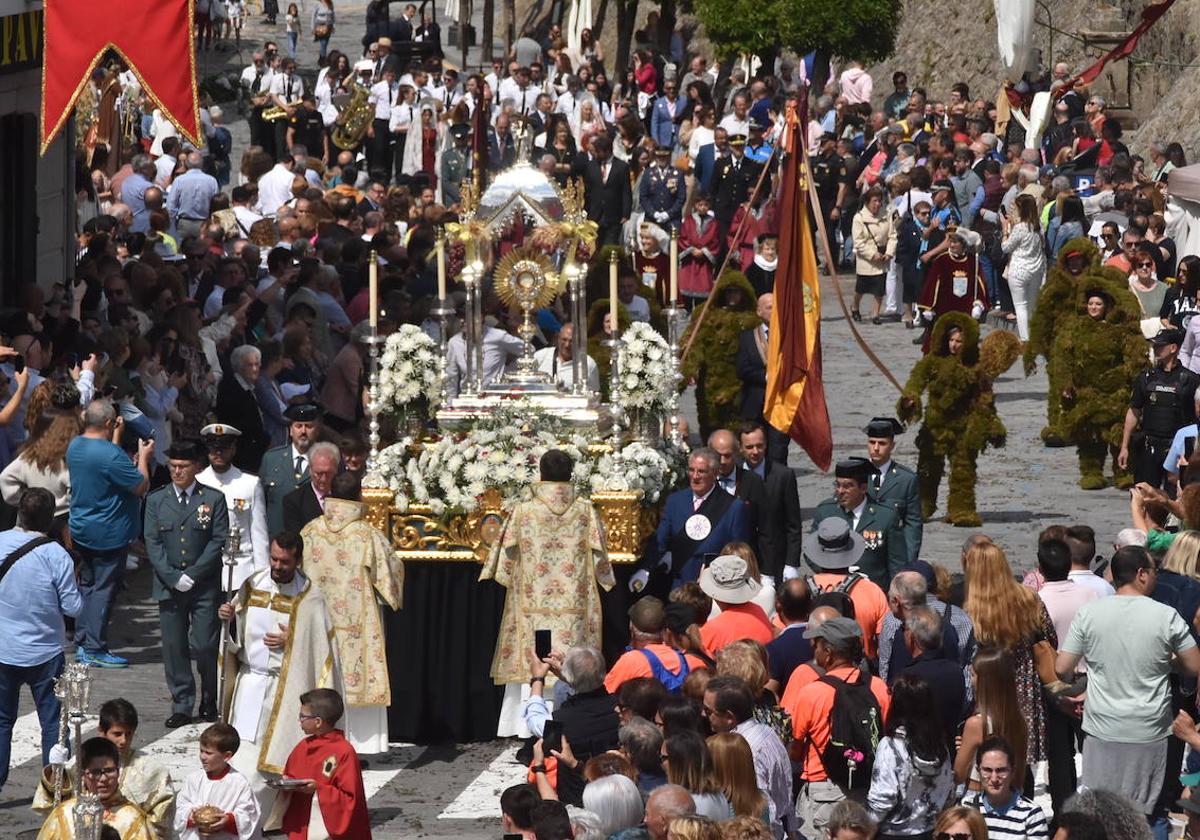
(454, 165)
(663, 191)
(830, 179)
(285, 468)
(757, 148)
(894, 483)
(1163, 401)
(733, 178)
(244, 498)
(186, 527)
(885, 552)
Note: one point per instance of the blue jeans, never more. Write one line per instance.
(293, 37)
(323, 47)
(40, 679)
(100, 576)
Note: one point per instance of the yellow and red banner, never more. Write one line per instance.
(795, 400)
(154, 37)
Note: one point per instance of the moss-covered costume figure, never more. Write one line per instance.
(711, 361)
(1098, 350)
(1078, 268)
(960, 413)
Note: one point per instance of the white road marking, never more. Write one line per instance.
(482, 796)
(27, 738)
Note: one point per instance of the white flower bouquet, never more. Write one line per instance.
(646, 377)
(653, 469)
(410, 371)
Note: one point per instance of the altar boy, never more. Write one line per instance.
(330, 768)
(217, 801)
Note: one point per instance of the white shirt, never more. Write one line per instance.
(288, 88)
(264, 83)
(245, 218)
(733, 125)
(877, 480)
(498, 348)
(402, 117)
(275, 189)
(231, 793)
(857, 513)
(163, 167)
(248, 510)
(561, 372)
(523, 101)
(383, 97)
(639, 309)
(1088, 578)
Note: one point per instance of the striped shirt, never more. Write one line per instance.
(773, 772)
(1019, 820)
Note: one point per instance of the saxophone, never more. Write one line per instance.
(351, 123)
(278, 112)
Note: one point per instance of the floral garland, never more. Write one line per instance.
(410, 371)
(646, 377)
(640, 466)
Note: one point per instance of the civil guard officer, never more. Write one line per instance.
(285, 468)
(245, 499)
(733, 180)
(885, 552)
(1163, 401)
(894, 483)
(455, 164)
(186, 527)
(662, 191)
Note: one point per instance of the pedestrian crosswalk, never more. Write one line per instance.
(27, 738)
(482, 796)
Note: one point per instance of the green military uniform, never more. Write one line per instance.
(279, 477)
(885, 552)
(454, 166)
(187, 538)
(896, 485)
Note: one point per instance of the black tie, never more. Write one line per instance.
(257, 86)
(183, 498)
(299, 467)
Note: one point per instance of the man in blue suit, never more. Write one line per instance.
(697, 521)
(706, 158)
(664, 125)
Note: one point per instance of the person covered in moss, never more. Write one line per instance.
(1098, 350)
(712, 361)
(960, 417)
(1078, 268)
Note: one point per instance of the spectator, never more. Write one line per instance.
(516, 810)
(689, 765)
(789, 649)
(642, 744)
(237, 405)
(997, 712)
(617, 802)
(727, 581)
(104, 520)
(1007, 814)
(959, 821)
(664, 805)
(923, 638)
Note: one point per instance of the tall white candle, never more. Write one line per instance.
(441, 266)
(674, 267)
(373, 288)
(612, 290)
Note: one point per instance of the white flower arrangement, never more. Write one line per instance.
(640, 466)
(411, 368)
(646, 376)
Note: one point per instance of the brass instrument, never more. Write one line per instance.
(278, 112)
(352, 121)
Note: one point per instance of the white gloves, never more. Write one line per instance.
(59, 755)
(184, 584)
(639, 580)
(977, 310)
(767, 580)
(661, 216)
(791, 573)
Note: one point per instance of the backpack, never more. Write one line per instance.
(839, 596)
(856, 722)
(673, 683)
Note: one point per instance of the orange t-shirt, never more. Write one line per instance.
(736, 622)
(870, 606)
(812, 715)
(634, 664)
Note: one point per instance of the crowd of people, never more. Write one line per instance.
(202, 373)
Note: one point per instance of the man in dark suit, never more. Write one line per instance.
(751, 367)
(607, 191)
(884, 551)
(745, 485)
(401, 28)
(734, 178)
(307, 502)
(781, 525)
(894, 483)
(708, 156)
(237, 406)
(790, 649)
(502, 145)
(696, 521)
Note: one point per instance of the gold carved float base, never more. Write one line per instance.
(417, 534)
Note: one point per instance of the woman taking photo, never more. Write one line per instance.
(1026, 259)
(912, 776)
(42, 461)
(688, 764)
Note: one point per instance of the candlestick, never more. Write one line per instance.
(373, 288)
(441, 263)
(373, 476)
(612, 289)
(674, 267)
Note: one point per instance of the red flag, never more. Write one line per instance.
(1150, 15)
(795, 401)
(154, 37)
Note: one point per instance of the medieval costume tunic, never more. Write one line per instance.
(699, 245)
(144, 782)
(230, 791)
(353, 566)
(654, 272)
(952, 284)
(266, 684)
(550, 556)
(128, 819)
(339, 809)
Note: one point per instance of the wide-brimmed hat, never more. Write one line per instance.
(834, 545)
(727, 579)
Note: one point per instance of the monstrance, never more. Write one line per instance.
(525, 278)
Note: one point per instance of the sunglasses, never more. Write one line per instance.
(1108, 236)
(945, 835)
(1145, 265)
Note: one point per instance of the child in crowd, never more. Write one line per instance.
(216, 801)
(144, 781)
(330, 770)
